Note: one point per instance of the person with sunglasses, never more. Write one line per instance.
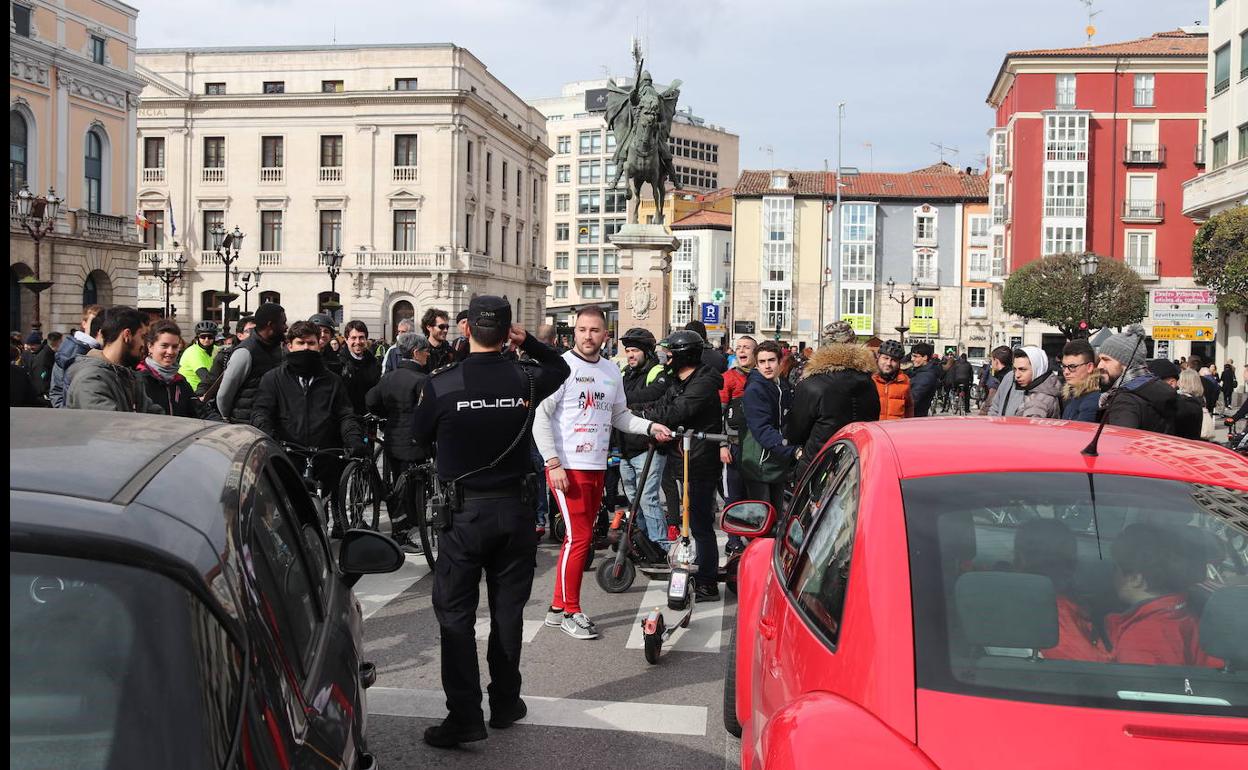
(1081, 393)
(436, 323)
(196, 361)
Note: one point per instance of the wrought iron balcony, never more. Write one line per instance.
(1143, 210)
(1144, 154)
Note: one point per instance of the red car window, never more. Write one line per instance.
(822, 572)
(808, 500)
(1092, 590)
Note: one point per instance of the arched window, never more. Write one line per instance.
(19, 145)
(94, 172)
(90, 292)
(402, 310)
(334, 303)
(97, 289)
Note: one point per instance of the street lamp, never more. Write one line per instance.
(902, 328)
(37, 215)
(247, 281)
(169, 273)
(1088, 264)
(227, 246)
(332, 260)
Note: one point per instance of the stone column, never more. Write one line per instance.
(645, 259)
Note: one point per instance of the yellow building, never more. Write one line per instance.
(73, 101)
(678, 204)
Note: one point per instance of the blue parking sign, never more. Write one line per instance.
(710, 313)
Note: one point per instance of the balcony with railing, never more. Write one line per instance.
(1143, 210)
(164, 258)
(213, 175)
(538, 275)
(925, 238)
(210, 259)
(104, 226)
(270, 258)
(408, 260)
(405, 174)
(1144, 154)
(926, 275)
(272, 174)
(1145, 268)
(153, 176)
(331, 174)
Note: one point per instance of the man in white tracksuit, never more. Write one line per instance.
(572, 430)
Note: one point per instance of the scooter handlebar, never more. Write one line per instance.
(700, 435)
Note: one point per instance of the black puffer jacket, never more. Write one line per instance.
(1146, 403)
(263, 358)
(360, 375)
(319, 416)
(640, 391)
(693, 404)
(395, 398)
(836, 390)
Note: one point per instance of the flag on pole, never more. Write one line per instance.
(141, 221)
(173, 226)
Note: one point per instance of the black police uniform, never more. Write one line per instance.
(474, 410)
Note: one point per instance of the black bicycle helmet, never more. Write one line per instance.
(638, 337)
(206, 327)
(892, 349)
(324, 320)
(685, 348)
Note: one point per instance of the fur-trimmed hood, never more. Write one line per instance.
(840, 356)
(1090, 384)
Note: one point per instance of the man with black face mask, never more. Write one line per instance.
(105, 379)
(303, 402)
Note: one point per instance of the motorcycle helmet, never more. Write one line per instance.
(685, 348)
(640, 338)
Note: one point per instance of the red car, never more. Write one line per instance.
(976, 593)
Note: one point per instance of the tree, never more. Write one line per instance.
(1220, 258)
(1053, 291)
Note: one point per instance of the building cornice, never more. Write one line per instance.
(32, 61)
(1013, 66)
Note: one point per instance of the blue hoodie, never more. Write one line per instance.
(766, 403)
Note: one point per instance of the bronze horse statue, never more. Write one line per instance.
(641, 119)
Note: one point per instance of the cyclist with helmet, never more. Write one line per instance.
(692, 402)
(891, 383)
(197, 359)
(645, 381)
(326, 328)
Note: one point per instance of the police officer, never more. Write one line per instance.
(480, 412)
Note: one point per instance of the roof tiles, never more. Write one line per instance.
(937, 182)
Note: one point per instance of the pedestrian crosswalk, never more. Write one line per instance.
(376, 591)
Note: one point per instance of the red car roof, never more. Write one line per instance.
(948, 445)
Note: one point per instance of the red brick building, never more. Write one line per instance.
(1089, 152)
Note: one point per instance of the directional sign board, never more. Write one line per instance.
(1163, 297)
(710, 313)
(1200, 315)
(1199, 333)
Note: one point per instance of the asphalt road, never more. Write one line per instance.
(593, 704)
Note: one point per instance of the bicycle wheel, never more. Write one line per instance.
(428, 531)
(359, 493)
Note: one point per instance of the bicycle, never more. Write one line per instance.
(360, 492)
(313, 484)
(960, 396)
(420, 486)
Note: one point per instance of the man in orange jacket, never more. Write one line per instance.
(891, 383)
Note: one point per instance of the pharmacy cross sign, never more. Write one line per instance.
(718, 295)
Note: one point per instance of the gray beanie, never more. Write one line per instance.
(1127, 347)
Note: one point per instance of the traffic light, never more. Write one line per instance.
(1085, 329)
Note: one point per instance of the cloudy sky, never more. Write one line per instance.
(912, 72)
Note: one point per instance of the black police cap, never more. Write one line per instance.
(489, 311)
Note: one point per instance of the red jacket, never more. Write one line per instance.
(1076, 637)
(734, 385)
(1158, 632)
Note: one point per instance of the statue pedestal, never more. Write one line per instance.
(645, 258)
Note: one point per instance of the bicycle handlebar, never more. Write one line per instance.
(300, 449)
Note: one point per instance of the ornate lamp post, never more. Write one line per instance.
(37, 215)
(246, 281)
(1088, 264)
(169, 273)
(227, 246)
(332, 260)
(903, 300)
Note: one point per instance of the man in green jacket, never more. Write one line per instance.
(105, 380)
(197, 358)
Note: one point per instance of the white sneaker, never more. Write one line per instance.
(554, 617)
(578, 626)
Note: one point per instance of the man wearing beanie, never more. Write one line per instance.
(1134, 397)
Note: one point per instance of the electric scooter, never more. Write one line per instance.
(682, 560)
(633, 549)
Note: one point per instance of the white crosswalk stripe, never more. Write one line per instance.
(706, 628)
(376, 591)
(656, 718)
(531, 627)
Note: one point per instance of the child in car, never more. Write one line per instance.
(1152, 574)
(1047, 547)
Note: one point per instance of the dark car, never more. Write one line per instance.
(173, 601)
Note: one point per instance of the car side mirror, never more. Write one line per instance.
(748, 518)
(365, 552)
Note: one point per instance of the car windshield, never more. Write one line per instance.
(1082, 589)
(112, 666)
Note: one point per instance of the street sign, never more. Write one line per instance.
(1163, 297)
(742, 327)
(718, 296)
(710, 313)
(1200, 333)
(1202, 315)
